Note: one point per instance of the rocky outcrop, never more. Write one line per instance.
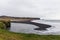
(39, 25)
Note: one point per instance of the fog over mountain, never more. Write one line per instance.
(45, 9)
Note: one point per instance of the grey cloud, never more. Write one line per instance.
(47, 9)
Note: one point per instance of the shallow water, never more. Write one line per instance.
(28, 28)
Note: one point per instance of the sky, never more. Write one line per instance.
(44, 9)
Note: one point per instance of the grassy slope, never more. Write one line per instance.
(6, 35)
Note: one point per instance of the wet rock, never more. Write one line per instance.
(43, 27)
(40, 26)
(40, 29)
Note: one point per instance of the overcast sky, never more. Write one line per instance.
(47, 9)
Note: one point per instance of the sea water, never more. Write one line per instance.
(28, 28)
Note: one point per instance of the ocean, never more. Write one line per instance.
(29, 29)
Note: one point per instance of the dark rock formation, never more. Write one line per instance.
(40, 25)
(40, 29)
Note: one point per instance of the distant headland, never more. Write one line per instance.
(11, 18)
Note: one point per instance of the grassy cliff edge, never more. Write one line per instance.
(7, 35)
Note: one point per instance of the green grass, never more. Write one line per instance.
(6, 35)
